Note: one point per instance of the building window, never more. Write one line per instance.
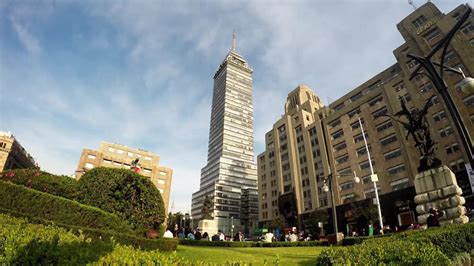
(359, 137)
(469, 28)
(445, 131)
(457, 166)
(344, 172)
(469, 100)
(431, 34)
(161, 190)
(419, 21)
(392, 154)
(89, 166)
(340, 146)
(162, 173)
(387, 140)
(348, 197)
(361, 151)
(346, 186)
(370, 193)
(338, 107)
(356, 125)
(375, 100)
(120, 151)
(111, 149)
(342, 159)
(356, 97)
(396, 169)
(286, 188)
(91, 156)
(312, 131)
(323, 202)
(353, 112)
(147, 158)
(161, 181)
(441, 115)
(130, 154)
(399, 184)
(452, 148)
(337, 134)
(435, 100)
(146, 170)
(383, 126)
(426, 88)
(380, 112)
(335, 123)
(365, 164)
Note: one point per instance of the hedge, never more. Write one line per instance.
(433, 246)
(451, 239)
(22, 243)
(250, 244)
(383, 251)
(63, 186)
(127, 194)
(34, 203)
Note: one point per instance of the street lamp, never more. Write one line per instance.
(373, 177)
(436, 78)
(327, 187)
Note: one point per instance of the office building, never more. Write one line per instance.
(310, 141)
(120, 156)
(230, 171)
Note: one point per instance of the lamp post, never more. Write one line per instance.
(327, 187)
(373, 177)
(436, 78)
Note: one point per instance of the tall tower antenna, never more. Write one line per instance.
(233, 41)
(410, 2)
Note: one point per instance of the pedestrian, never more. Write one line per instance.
(181, 234)
(197, 234)
(221, 236)
(293, 237)
(205, 236)
(168, 234)
(268, 237)
(433, 218)
(371, 230)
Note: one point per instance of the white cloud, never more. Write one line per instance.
(29, 42)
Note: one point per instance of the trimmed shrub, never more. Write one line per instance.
(62, 186)
(125, 193)
(249, 244)
(451, 239)
(383, 251)
(21, 200)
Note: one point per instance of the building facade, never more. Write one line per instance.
(329, 139)
(120, 156)
(230, 174)
(13, 155)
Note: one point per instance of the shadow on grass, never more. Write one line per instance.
(38, 252)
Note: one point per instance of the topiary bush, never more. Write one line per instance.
(22, 201)
(63, 186)
(125, 193)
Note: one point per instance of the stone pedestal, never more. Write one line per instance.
(438, 188)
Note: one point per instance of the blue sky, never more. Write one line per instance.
(139, 73)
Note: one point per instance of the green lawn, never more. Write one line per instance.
(255, 255)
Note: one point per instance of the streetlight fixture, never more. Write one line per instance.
(436, 77)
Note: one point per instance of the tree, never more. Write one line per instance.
(207, 208)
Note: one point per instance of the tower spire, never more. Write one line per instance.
(233, 41)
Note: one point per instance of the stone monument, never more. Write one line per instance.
(435, 184)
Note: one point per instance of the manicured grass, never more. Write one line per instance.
(256, 255)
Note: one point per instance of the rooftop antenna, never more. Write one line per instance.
(410, 2)
(233, 41)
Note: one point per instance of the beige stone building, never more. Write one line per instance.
(12, 154)
(120, 156)
(309, 141)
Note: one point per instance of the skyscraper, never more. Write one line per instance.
(230, 167)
